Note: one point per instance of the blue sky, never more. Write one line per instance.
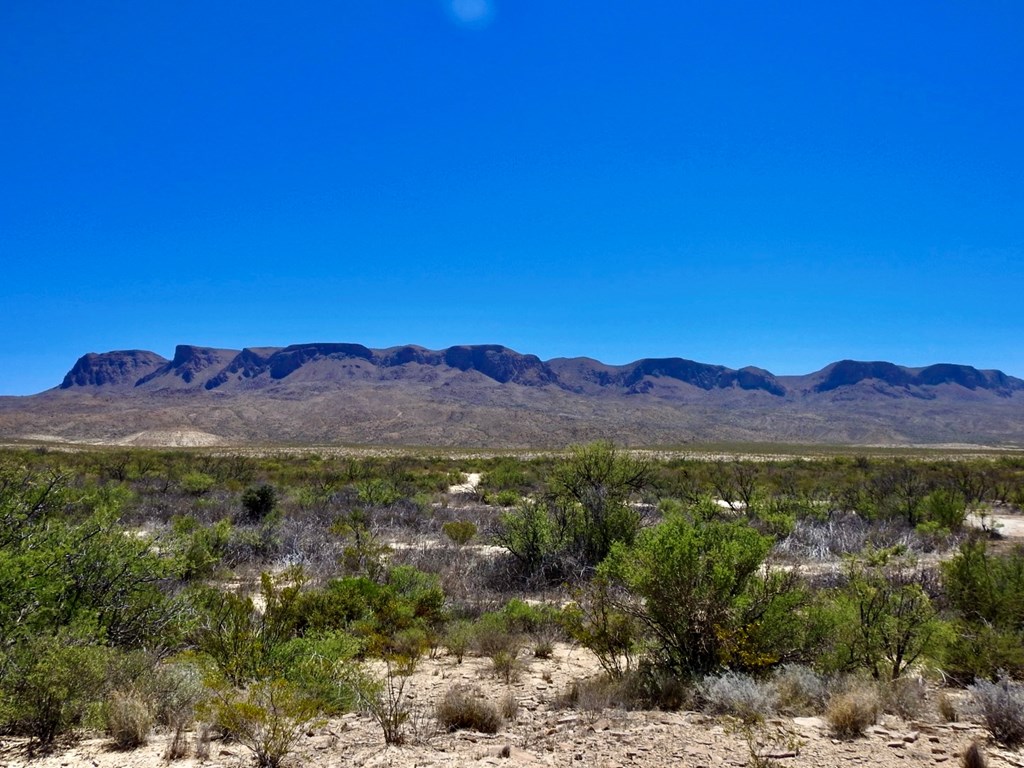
(744, 183)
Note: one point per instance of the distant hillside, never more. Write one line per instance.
(492, 396)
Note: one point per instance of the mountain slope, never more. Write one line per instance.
(490, 395)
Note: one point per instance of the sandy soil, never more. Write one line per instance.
(543, 735)
(468, 486)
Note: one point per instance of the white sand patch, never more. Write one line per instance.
(171, 438)
(469, 486)
(1008, 524)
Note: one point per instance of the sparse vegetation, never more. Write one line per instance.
(273, 592)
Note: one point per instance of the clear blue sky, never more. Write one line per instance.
(777, 184)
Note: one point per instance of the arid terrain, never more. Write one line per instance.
(542, 734)
(492, 396)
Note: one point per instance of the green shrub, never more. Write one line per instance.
(197, 483)
(586, 511)
(506, 498)
(50, 683)
(258, 504)
(698, 587)
(529, 618)
(884, 620)
(596, 622)
(946, 508)
(199, 549)
(242, 640)
(987, 594)
(319, 666)
(377, 492)
(458, 638)
(532, 536)
(459, 531)
(267, 718)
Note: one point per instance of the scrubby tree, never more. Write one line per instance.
(258, 504)
(699, 586)
(986, 593)
(884, 619)
(588, 508)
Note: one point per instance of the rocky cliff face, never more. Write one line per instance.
(215, 368)
(849, 373)
(112, 369)
(492, 395)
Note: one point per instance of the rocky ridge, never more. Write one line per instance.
(492, 396)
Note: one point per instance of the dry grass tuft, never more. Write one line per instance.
(465, 708)
(129, 719)
(852, 711)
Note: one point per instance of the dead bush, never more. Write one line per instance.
(593, 695)
(850, 712)
(906, 697)
(509, 706)
(800, 690)
(506, 666)
(544, 645)
(947, 708)
(973, 757)
(129, 719)
(465, 708)
(490, 640)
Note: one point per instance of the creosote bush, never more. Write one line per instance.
(267, 718)
(466, 708)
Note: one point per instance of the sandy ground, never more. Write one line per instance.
(468, 486)
(543, 735)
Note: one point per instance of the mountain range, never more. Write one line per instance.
(492, 396)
